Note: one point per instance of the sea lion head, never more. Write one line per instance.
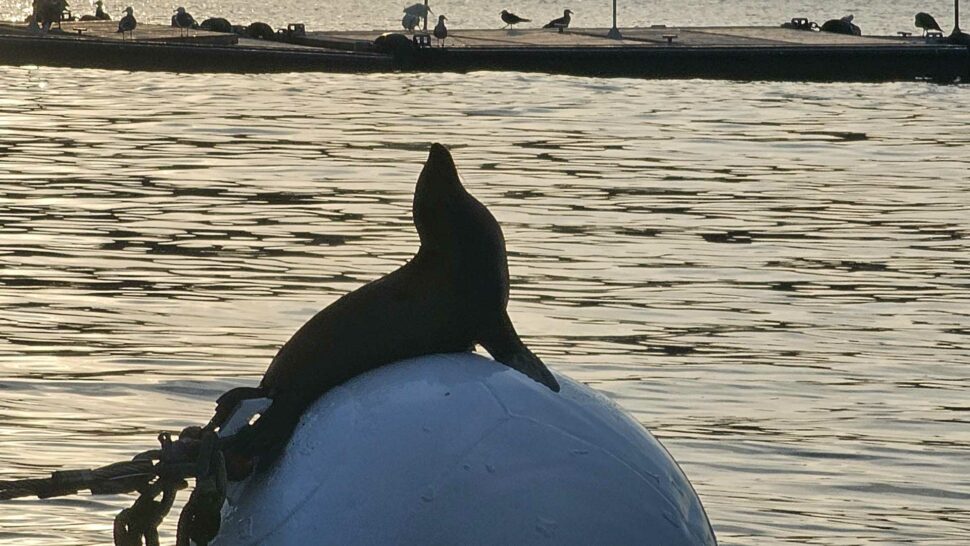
(445, 214)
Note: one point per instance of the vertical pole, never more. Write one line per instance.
(614, 32)
(426, 15)
(956, 16)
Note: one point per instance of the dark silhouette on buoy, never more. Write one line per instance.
(560, 23)
(183, 20)
(926, 22)
(260, 30)
(511, 19)
(842, 26)
(441, 31)
(449, 297)
(216, 24)
(127, 23)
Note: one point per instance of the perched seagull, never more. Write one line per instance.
(410, 21)
(512, 19)
(183, 20)
(127, 23)
(561, 23)
(440, 30)
(99, 12)
(926, 22)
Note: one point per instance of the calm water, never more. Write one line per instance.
(771, 277)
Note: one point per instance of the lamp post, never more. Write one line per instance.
(615, 32)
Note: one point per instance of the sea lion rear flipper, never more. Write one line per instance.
(504, 345)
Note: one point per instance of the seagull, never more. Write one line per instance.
(410, 21)
(127, 23)
(561, 23)
(440, 30)
(99, 13)
(511, 19)
(926, 22)
(183, 20)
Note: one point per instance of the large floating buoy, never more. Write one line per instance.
(458, 450)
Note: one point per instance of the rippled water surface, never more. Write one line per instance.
(771, 277)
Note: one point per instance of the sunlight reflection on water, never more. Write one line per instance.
(770, 276)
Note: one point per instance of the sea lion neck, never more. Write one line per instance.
(439, 195)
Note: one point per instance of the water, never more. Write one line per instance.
(772, 277)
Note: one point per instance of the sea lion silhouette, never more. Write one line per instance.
(450, 296)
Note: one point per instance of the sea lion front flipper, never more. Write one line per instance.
(229, 401)
(503, 343)
(267, 437)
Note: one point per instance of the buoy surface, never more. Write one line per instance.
(458, 449)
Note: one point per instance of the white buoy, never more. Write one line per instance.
(459, 450)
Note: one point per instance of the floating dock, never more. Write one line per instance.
(737, 53)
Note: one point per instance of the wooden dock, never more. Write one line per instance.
(740, 53)
(632, 37)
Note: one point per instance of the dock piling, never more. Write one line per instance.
(614, 33)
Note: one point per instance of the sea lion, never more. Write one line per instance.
(449, 297)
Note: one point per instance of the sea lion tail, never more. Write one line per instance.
(505, 346)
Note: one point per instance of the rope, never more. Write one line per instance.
(122, 477)
(198, 453)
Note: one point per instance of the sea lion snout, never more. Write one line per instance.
(440, 167)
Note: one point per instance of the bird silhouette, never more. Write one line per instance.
(183, 20)
(127, 23)
(440, 30)
(926, 22)
(560, 23)
(418, 9)
(512, 19)
(409, 21)
(99, 13)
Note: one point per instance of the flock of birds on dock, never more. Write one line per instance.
(47, 12)
(415, 13)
